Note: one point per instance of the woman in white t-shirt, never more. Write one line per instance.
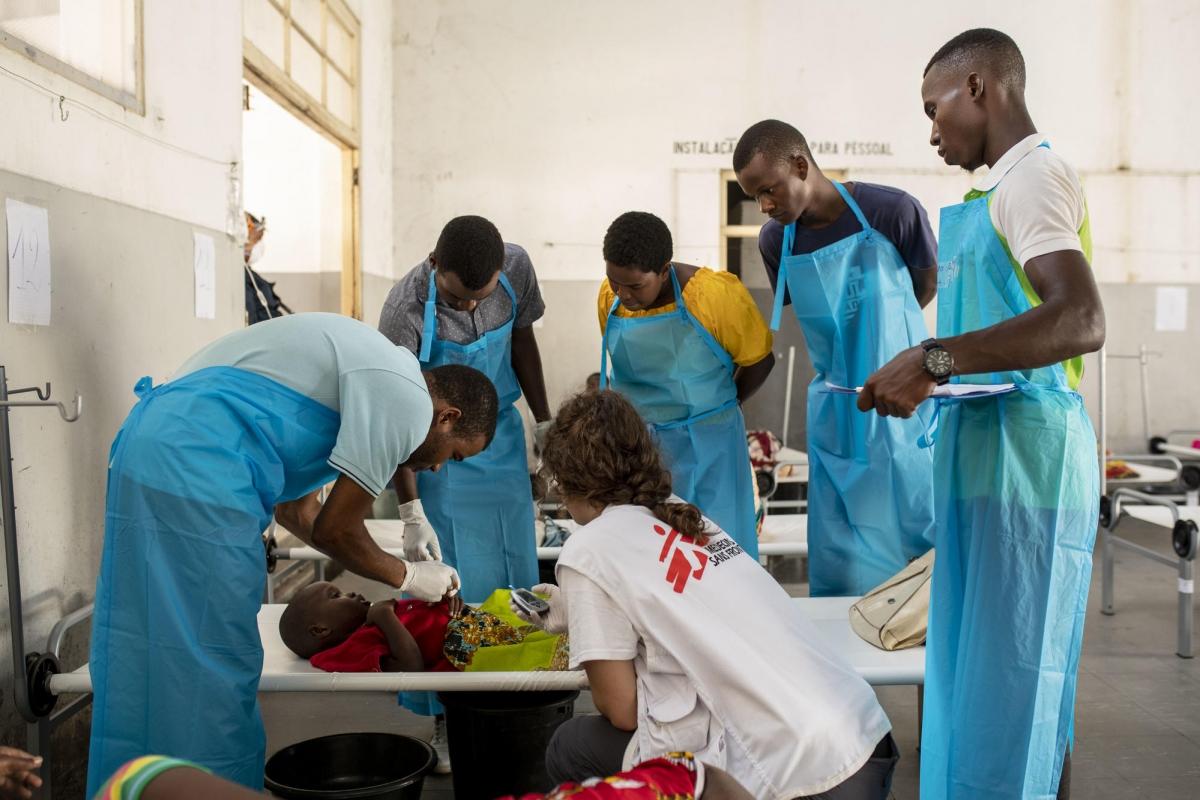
(688, 644)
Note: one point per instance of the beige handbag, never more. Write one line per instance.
(895, 614)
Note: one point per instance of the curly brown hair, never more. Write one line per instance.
(599, 449)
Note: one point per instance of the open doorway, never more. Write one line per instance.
(301, 63)
(293, 182)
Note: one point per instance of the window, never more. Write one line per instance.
(95, 43)
(740, 223)
(307, 51)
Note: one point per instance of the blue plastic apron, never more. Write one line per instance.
(1017, 502)
(870, 486)
(194, 476)
(482, 508)
(681, 381)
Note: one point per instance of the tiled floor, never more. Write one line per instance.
(1138, 710)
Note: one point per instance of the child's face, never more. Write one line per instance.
(330, 614)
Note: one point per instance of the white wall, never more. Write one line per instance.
(553, 117)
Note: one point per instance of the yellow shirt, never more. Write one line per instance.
(720, 303)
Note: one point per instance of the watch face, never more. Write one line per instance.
(938, 363)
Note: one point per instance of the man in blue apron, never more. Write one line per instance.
(858, 263)
(473, 302)
(1017, 477)
(251, 426)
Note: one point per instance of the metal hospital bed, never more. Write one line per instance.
(1178, 514)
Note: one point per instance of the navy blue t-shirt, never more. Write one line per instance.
(893, 212)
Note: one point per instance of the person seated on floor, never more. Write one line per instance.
(344, 632)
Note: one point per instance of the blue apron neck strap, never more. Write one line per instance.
(143, 387)
(858, 214)
(604, 343)
(785, 252)
(675, 286)
(429, 321)
(512, 296)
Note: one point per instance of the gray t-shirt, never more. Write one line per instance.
(403, 315)
(346, 366)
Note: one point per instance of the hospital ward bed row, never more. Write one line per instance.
(1160, 489)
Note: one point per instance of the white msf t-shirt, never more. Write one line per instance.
(727, 667)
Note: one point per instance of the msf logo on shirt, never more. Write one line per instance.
(688, 560)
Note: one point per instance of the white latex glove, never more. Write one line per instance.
(430, 580)
(420, 541)
(552, 621)
(540, 429)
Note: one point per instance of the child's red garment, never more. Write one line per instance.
(363, 649)
(673, 777)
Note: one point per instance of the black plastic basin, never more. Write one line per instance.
(351, 766)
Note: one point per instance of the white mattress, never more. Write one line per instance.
(1158, 515)
(284, 672)
(1148, 475)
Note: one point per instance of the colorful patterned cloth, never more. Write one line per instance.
(493, 639)
(128, 782)
(675, 776)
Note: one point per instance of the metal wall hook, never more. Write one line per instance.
(68, 416)
(43, 394)
(62, 111)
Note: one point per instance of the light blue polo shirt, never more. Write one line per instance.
(347, 366)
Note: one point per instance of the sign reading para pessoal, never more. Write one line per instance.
(725, 147)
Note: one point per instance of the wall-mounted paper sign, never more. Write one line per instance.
(28, 263)
(204, 262)
(1171, 308)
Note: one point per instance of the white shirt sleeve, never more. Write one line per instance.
(598, 628)
(1039, 207)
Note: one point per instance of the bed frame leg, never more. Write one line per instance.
(1186, 608)
(1106, 572)
(38, 743)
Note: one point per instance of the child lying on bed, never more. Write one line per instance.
(345, 632)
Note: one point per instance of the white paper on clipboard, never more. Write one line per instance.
(960, 391)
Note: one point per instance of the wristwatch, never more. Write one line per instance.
(938, 361)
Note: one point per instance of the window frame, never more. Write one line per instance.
(134, 101)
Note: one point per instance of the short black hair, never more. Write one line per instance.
(470, 391)
(472, 249)
(775, 139)
(984, 46)
(638, 239)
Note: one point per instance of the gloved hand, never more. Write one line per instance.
(420, 541)
(540, 429)
(430, 580)
(552, 621)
